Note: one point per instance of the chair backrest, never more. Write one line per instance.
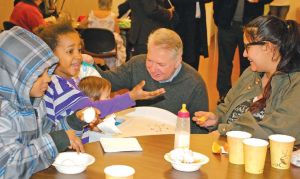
(8, 25)
(98, 41)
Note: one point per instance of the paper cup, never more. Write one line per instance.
(281, 147)
(119, 172)
(235, 144)
(255, 151)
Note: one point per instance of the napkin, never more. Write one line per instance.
(120, 144)
(108, 125)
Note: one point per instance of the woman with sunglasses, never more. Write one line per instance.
(266, 98)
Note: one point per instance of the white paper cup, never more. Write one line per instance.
(235, 144)
(119, 172)
(255, 151)
(281, 147)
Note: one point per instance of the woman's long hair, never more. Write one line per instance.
(285, 36)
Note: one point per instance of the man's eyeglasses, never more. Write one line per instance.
(253, 43)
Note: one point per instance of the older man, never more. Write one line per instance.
(162, 67)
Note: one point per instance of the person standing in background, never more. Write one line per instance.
(230, 16)
(192, 29)
(27, 14)
(279, 8)
(147, 16)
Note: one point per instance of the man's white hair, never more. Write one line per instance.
(166, 39)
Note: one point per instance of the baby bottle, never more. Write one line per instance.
(182, 131)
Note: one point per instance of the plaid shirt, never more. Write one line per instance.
(25, 144)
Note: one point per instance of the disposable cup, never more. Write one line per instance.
(255, 151)
(235, 144)
(281, 147)
(119, 172)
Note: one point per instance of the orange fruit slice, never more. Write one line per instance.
(202, 119)
(216, 148)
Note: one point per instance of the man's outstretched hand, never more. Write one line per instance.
(137, 93)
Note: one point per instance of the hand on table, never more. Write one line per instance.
(75, 142)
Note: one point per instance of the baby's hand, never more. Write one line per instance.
(89, 115)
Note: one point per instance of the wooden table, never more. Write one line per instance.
(150, 162)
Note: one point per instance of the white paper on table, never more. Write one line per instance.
(120, 144)
(141, 121)
(108, 125)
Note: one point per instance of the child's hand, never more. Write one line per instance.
(80, 115)
(87, 58)
(93, 125)
(75, 142)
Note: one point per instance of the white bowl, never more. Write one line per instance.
(72, 162)
(188, 167)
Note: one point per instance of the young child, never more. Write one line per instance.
(29, 141)
(63, 96)
(95, 88)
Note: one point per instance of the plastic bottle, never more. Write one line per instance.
(182, 131)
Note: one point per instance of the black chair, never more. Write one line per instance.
(8, 25)
(99, 42)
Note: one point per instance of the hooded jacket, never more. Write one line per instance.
(27, 140)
